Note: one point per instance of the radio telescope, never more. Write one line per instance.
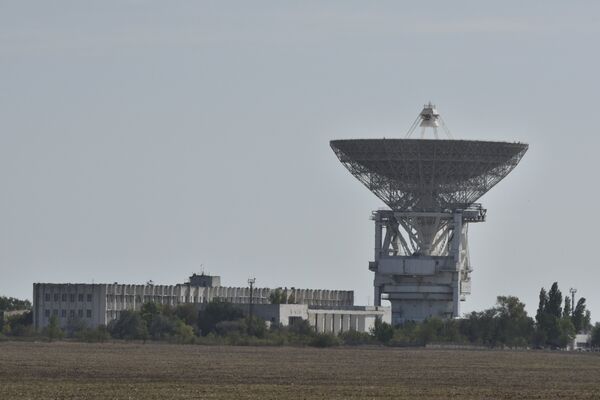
(431, 186)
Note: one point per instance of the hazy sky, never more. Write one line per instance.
(142, 139)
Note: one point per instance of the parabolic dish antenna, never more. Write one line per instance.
(428, 174)
(421, 261)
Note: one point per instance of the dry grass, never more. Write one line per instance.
(157, 371)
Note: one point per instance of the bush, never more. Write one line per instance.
(53, 331)
(19, 325)
(74, 327)
(295, 334)
(301, 327)
(256, 326)
(382, 331)
(437, 330)
(98, 335)
(324, 340)
(184, 333)
(22, 330)
(355, 338)
(228, 328)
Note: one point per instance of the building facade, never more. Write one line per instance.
(98, 304)
(323, 318)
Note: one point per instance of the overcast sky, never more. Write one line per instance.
(142, 140)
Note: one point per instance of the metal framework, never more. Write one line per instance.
(428, 174)
(431, 185)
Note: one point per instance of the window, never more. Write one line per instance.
(63, 313)
(64, 297)
(71, 313)
(55, 313)
(89, 297)
(47, 297)
(72, 298)
(80, 313)
(80, 297)
(47, 313)
(55, 296)
(88, 313)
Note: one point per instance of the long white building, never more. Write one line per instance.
(98, 304)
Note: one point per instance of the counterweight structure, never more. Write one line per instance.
(431, 186)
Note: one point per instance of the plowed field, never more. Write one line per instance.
(161, 371)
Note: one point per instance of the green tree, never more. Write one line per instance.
(302, 328)
(554, 327)
(506, 324)
(215, 312)
(149, 311)
(567, 309)
(514, 327)
(162, 327)
(231, 328)
(587, 321)
(188, 313)
(541, 311)
(426, 331)
(478, 327)
(566, 332)
(129, 326)
(596, 335)
(19, 325)
(12, 304)
(278, 296)
(579, 313)
(184, 333)
(256, 326)
(382, 331)
(540, 336)
(554, 306)
(53, 330)
(75, 326)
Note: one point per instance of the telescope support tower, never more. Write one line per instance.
(422, 262)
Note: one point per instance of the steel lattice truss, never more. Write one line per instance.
(424, 174)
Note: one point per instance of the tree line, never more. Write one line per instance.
(505, 325)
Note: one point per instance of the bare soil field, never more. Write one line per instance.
(161, 371)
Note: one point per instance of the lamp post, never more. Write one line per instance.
(251, 282)
(573, 291)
